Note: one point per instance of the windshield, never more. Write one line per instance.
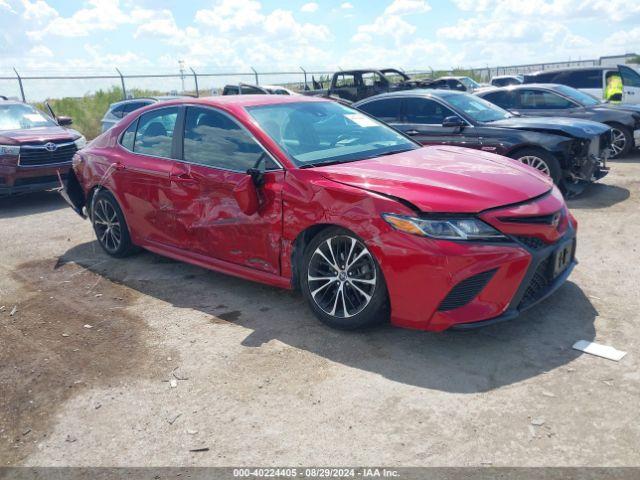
(19, 116)
(317, 133)
(582, 98)
(478, 109)
(470, 83)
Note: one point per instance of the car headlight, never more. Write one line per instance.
(444, 228)
(80, 142)
(13, 150)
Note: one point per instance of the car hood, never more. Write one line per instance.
(37, 135)
(571, 127)
(444, 179)
(622, 107)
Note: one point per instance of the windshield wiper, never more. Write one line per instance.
(392, 152)
(323, 164)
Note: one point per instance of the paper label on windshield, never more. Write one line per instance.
(361, 120)
(34, 117)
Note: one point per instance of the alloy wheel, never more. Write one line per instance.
(107, 225)
(537, 163)
(618, 142)
(342, 276)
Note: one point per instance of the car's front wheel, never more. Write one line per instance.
(540, 160)
(110, 225)
(342, 281)
(621, 141)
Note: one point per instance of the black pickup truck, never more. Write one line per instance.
(350, 86)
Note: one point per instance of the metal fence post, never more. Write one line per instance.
(20, 83)
(195, 79)
(305, 77)
(256, 75)
(124, 90)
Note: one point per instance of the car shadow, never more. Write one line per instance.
(462, 362)
(30, 204)
(599, 195)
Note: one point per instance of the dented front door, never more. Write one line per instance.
(216, 155)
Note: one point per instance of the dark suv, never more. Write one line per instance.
(34, 148)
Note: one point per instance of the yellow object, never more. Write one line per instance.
(613, 90)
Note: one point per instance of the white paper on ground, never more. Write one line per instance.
(599, 350)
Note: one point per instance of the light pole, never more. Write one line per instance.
(181, 64)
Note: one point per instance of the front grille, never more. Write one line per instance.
(465, 291)
(37, 180)
(539, 283)
(534, 243)
(36, 155)
(535, 219)
(2, 181)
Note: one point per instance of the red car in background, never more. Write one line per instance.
(310, 194)
(33, 148)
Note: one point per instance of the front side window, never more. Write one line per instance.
(630, 78)
(316, 133)
(503, 99)
(541, 100)
(475, 107)
(154, 135)
(20, 116)
(345, 81)
(425, 111)
(387, 110)
(213, 139)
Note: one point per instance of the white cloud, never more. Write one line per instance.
(230, 15)
(310, 7)
(5, 6)
(41, 51)
(405, 7)
(346, 6)
(384, 26)
(38, 10)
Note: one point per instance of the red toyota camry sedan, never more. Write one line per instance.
(309, 194)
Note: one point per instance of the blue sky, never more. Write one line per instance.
(144, 36)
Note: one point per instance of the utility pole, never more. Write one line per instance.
(181, 64)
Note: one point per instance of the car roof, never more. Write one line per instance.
(571, 69)
(524, 86)
(245, 100)
(418, 92)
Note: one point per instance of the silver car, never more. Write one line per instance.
(119, 110)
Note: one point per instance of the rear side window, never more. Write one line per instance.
(502, 99)
(133, 106)
(213, 139)
(427, 112)
(582, 79)
(117, 111)
(387, 110)
(630, 78)
(549, 77)
(541, 100)
(154, 135)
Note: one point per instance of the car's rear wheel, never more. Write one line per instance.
(110, 225)
(540, 160)
(621, 141)
(342, 281)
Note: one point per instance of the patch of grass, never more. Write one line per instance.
(88, 110)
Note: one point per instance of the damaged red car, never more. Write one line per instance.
(308, 194)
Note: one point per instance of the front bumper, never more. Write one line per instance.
(19, 180)
(524, 298)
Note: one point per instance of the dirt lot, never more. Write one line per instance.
(136, 362)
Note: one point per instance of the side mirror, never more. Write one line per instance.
(64, 121)
(246, 191)
(453, 122)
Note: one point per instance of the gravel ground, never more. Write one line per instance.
(136, 362)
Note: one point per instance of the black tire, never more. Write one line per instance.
(352, 310)
(621, 134)
(552, 164)
(110, 225)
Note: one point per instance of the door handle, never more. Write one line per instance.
(181, 177)
(412, 132)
